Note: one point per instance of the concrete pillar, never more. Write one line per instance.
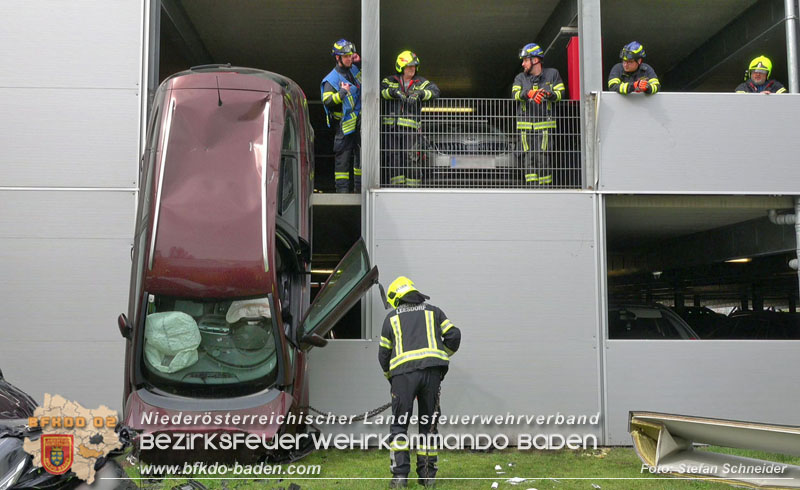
(370, 50)
(591, 56)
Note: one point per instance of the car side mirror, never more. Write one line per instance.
(125, 328)
(314, 339)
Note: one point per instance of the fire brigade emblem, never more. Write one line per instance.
(57, 453)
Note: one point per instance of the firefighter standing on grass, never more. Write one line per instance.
(341, 97)
(631, 74)
(535, 90)
(404, 93)
(417, 341)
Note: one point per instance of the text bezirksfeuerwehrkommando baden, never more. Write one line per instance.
(183, 441)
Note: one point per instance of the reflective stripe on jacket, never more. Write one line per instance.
(749, 87)
(398, 112)
(529, 111)
(351, 104)
(416, 336)
(621, 82)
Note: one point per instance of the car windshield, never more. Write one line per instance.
(222, 345)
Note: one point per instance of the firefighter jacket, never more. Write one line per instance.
(530, 115)
(416, 336)
(749, 87)
(621, 82)
(400, 112)
(338, 104)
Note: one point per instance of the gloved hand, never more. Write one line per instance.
(413, 98)
(531, 93)
(641, 85)
(541, 95)
(398, 94)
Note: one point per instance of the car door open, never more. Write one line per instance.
(350, 280)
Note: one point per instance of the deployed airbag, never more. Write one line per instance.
(249, 308)
(170, 341)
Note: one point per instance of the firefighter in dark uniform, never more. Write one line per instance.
(631, 74)
(341, 97)
(417, 341)
(403, 94)
(757, 81)
(535, 90)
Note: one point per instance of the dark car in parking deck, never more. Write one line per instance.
(467, 144)
(705, 321)
(761, 325)
(647, 322)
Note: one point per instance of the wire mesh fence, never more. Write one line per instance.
(480, 143)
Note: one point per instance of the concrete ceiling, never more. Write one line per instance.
(635, 221)
(670, 30)
(469, 48)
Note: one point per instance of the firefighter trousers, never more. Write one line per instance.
(535, 156)
(404, 158)
(346, 149)
(422, 384)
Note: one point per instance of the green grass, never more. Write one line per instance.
(562, 470)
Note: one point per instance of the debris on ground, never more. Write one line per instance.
(598, 453)
(190, 485)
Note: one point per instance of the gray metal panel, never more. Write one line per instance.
(736, 380)
(86, 44)
(515, 271)
(700, 143)
(69, 138)
(65, 258)
(345, 377)
(483, 216)
(100, 214)
(89, 372)
(70, 290)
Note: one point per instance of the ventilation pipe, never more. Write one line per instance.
(790, 219)
(791, 44)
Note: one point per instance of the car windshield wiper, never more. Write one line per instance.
(205, 376)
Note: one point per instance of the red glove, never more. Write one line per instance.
(531, 93)
(541, 95)
(641, 85)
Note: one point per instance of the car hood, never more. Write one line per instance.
(149, 412)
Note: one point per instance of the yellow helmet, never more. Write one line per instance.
(399, 288)
(404, 59)
(760, 63)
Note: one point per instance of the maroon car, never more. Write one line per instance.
(219, 320)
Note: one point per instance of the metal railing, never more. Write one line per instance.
(480, 143)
